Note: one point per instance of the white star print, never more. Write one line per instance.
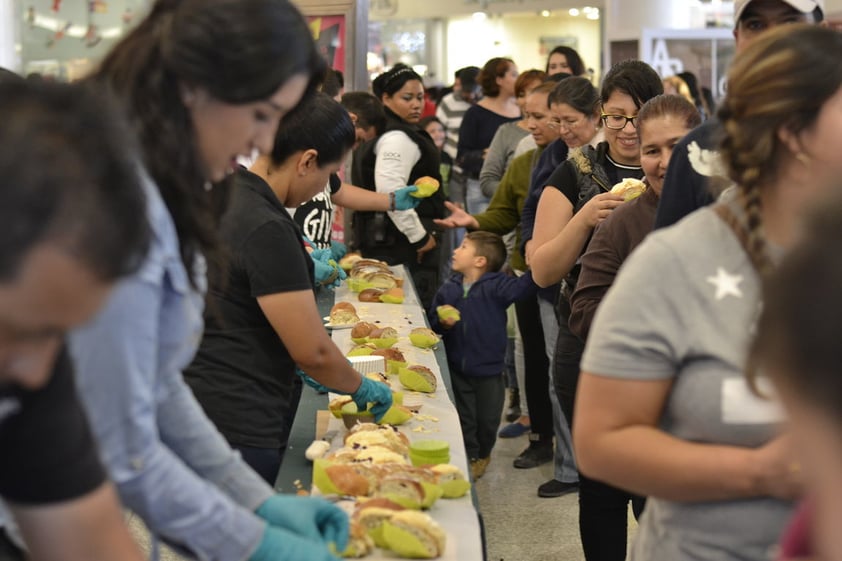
(726, 284)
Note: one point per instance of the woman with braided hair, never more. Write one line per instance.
(663, 407)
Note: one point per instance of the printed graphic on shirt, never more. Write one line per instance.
(315, 218)
(726, 284)
(741, 406)
(705, 162)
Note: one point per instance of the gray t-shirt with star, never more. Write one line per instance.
(684, 308)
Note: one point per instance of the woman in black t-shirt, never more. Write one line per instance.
(576, 199)
(262, 323)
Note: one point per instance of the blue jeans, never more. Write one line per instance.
(475, 201)
(564, 462)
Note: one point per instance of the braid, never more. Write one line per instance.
(756, 244)
(741, 151)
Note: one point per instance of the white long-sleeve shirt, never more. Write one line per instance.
(396, 155)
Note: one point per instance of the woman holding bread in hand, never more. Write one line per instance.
(576, 199)
(400, 156)
(262, 325)
(662, 122)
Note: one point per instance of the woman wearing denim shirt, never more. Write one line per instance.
(204, 82)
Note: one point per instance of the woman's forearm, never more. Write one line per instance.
(551, 261)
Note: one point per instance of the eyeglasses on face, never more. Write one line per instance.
(566, 124)
(618, 122)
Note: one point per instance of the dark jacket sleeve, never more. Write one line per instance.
(600, 264)
(514, 289)
(547, 164)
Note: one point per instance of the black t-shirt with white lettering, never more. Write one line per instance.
(315, 217)
(242, 374)
(47, 452)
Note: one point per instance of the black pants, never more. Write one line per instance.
(265, 461)
(603, 509)
(479, 401)
(537, 366)
(8, 550)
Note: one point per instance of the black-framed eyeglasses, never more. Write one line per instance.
(618, 122)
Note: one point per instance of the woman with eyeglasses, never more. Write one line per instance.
(576, 199)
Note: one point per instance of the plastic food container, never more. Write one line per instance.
(429, 452)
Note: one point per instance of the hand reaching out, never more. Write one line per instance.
(458, 218)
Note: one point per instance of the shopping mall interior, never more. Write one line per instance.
(65, 39)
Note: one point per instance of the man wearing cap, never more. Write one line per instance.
(695, 176)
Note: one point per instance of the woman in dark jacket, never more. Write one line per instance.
(396, 158)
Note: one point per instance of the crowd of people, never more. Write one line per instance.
(675, 353)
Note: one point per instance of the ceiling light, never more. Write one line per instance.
(573, 12)
(479, 16)
(545, 13)
(593, 15)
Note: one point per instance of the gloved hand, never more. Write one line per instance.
(323, 255)
(282, 545)
(311, 382)
(326, 268)
(309, 517)
(403, 201)
(337, 249)
(373, 392)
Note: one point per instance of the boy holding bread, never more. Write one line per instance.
(469, 311)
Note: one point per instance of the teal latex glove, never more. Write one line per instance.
(325, 268)
(403, 201)
(323, 255)
(337, 250)
(282, 545)
(309, 517)
(376, 393)
(311, 382)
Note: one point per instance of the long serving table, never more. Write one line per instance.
(437, 418)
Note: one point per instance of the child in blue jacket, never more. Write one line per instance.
(476, 342)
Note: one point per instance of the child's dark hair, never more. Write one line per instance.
(368, 109)
(632, 77)
(491, 247)
(797, 342)
(320, 123)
